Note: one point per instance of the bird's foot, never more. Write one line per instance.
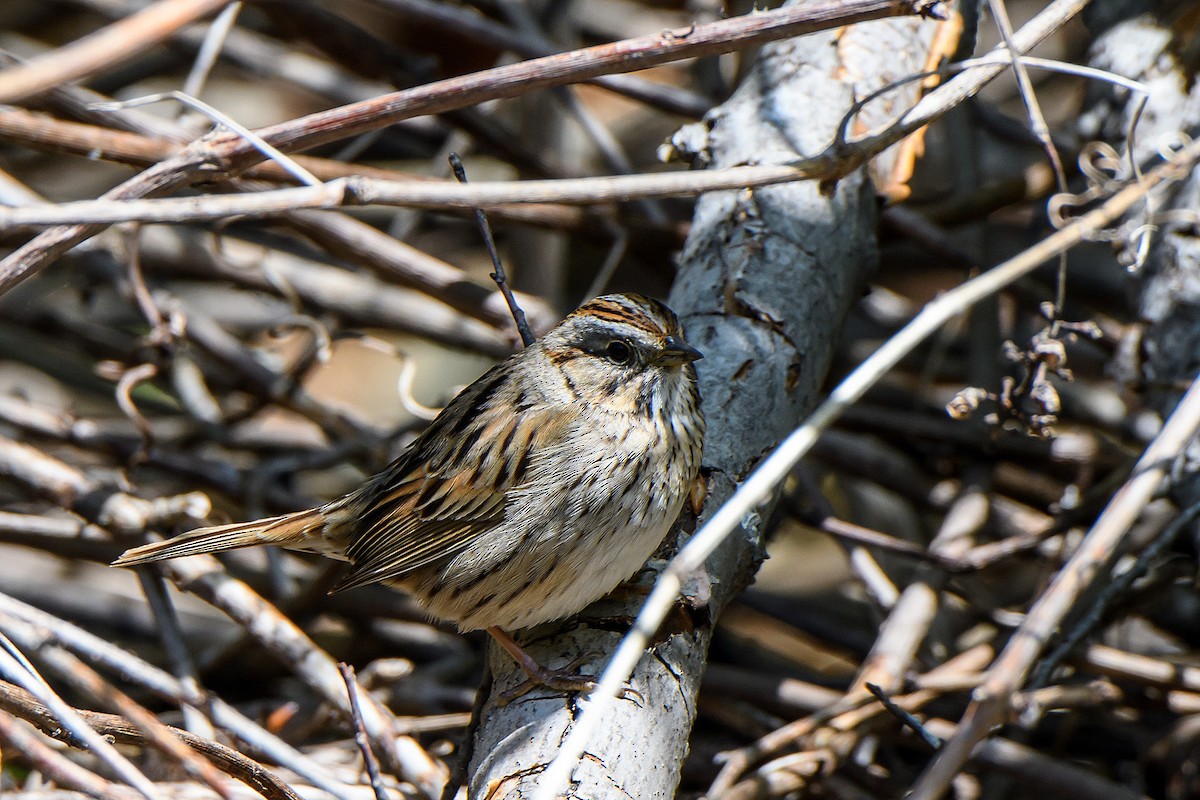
(560, 680)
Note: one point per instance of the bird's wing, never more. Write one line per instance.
(394, 538)
(442, 495)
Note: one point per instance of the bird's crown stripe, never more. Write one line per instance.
(612, 312)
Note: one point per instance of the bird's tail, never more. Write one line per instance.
(303, 530)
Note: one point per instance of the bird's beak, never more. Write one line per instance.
(676, 351)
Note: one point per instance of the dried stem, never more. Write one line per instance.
(497, 275)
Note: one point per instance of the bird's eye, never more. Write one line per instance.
(618, 352)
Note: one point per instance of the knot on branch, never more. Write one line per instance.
(355, 191)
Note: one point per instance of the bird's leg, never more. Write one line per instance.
(559, 680)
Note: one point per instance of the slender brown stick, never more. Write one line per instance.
(468, 22)
(39, 131)
(735, 33)
(906, 717)
(156, 734)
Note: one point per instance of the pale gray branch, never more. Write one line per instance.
(764, 278)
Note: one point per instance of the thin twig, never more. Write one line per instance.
(360, 733)
(497, 275)
(170, 635)
(909, 720)
(210, 49)
(1037, 122)
(358, 191)
(224, 120)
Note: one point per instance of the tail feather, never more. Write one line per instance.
(300, 531)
